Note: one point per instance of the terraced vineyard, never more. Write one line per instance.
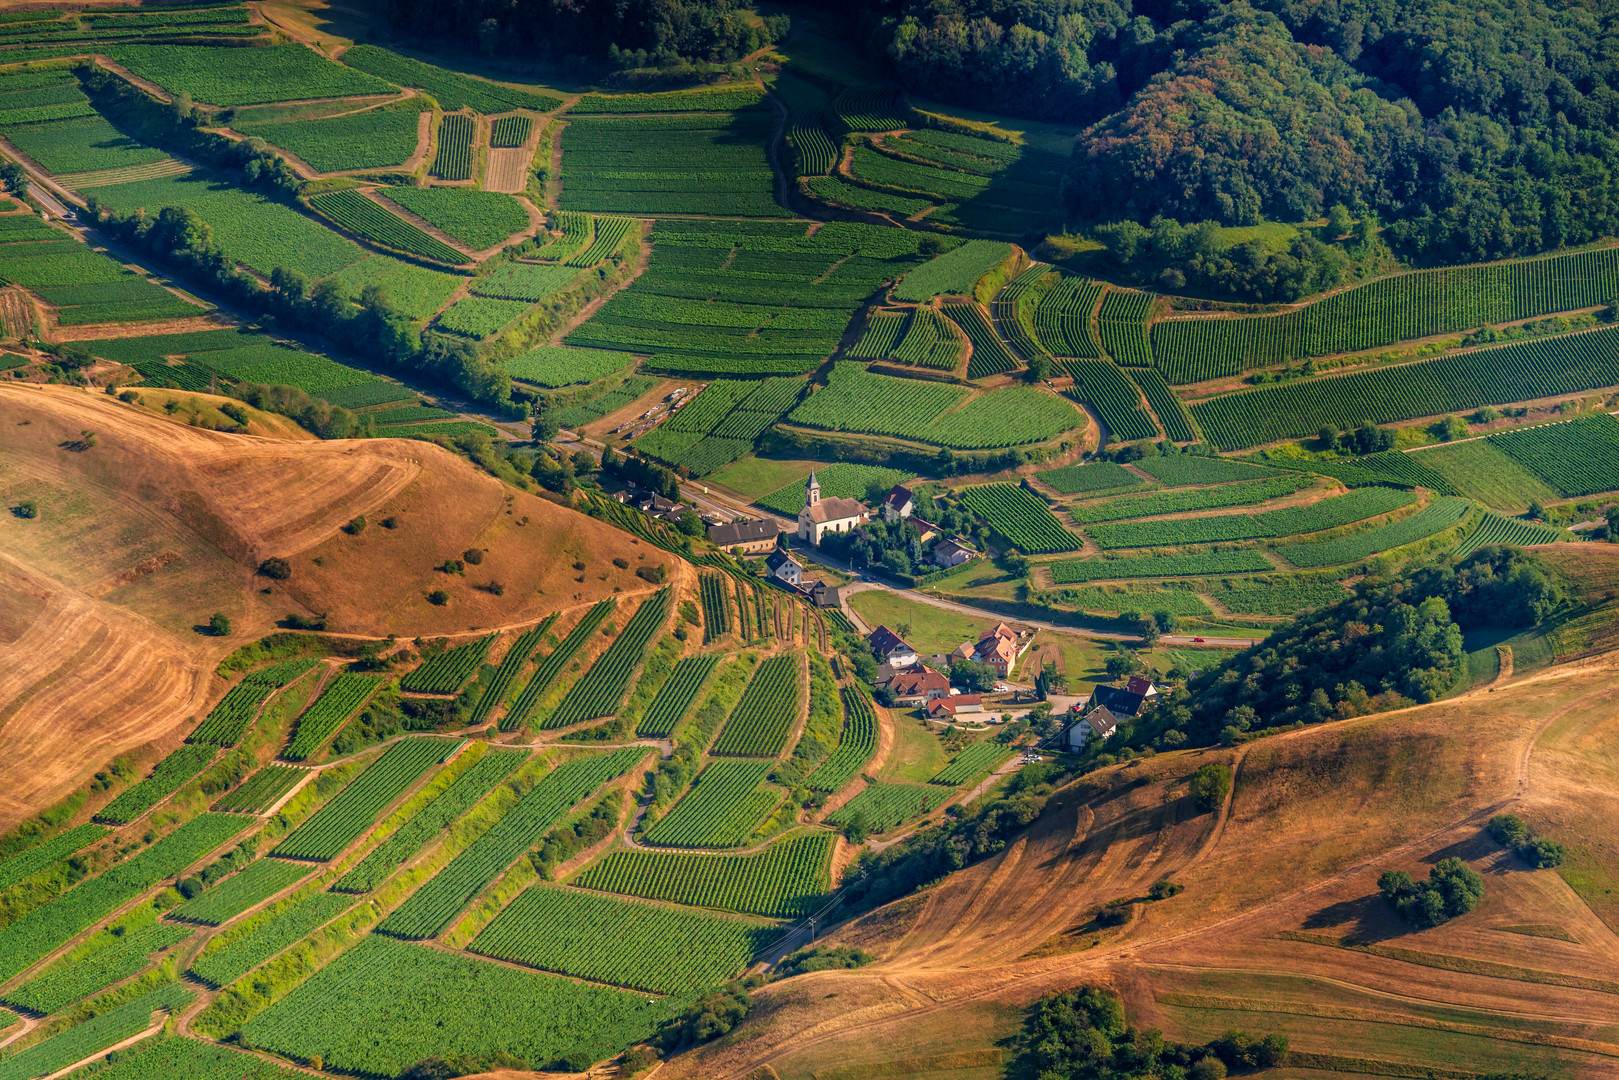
(228, 720)
(63, 984)
(1493, 528)
(716, 610)
(990, 355)
(1074, 572)
(602, 688)
(670, 164)
(1578, 458)
(352, 811)
(260, 791)
(1062, 318)
(954, 272)
(546, 672)
(675, 696)
(448, 671)
(856, 744)
(971, 763)
(1431, 520)
(1113, 396)
(786, 880)
(1086, 479)
(1122, 320)
(494, 693)
(1157, 503)
(260, 881)
(722, 808)
(354, 211)
(881, 807)
(247, 945)
(168, 776)
(454, 158)
(30, 861)
(762, 720)
(1021, 517)
(337, 702)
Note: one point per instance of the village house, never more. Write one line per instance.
(754, 534)
(1135, 697)
(831, 514)
(898, 504)
(919, 686)
(823, 595)
(998, 649)
(785, 569)
(1098, 722)
(951, 552)
(891, 648)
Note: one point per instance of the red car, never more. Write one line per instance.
(1198, 640)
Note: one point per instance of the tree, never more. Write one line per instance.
(1613, 524)
(1339, 222)
(1147, 627)
(1122, 664)
(276, 569)
(1166, 621)
(689, 523)
(542, 428)
(973, 677)
(1453, 888)
(219, 625)
(1210, 785)
(1535, 511)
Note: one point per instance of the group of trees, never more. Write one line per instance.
(1453, 888)
(1512, 831)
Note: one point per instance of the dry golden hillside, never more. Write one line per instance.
(1279, 928)
(150, 526)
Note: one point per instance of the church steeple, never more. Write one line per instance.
(812, 492)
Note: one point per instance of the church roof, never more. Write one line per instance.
(834, 508)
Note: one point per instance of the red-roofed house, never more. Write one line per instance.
(919, 686)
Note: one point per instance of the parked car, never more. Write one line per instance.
(1001, 688)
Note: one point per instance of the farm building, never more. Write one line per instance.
(756, 534)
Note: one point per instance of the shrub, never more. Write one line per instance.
(1542, 854)
(1163, 889)
(1513, 832)
(472, 556)
(1210, 785)
(276, 569)
(657, 575)
(1453, 888)
(218, 625)
(356, 526)
(1508, 829)
(438, 598)
(130, 397)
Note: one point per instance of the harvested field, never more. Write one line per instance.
(508, 170)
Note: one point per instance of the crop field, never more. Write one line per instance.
(723, 807)
(856, 745)
(855, 400)
(576, 231)
(1115, 600)
(509, 132)
(427, 823)
(954, 272)
(869, 108)
(479, 317)
(337, 702)
(990, 355)
(177, 1056)
(1016, 185)
(779, 306)
(702, 99)
(100, 178)
(602, 688)
(260, 881)
(1279, 595)
(94, 1035)
(414, 291)
(1358, 505)
(880, 807)
(716, 611)
(221, 75)
(433, 1003)
(433, 431)
(351, 812)
(1385, 311)
(546, 672)
(260, 791)
(1500, 375)
(671, 164)
(80, 144)
(562, 365)
(1495, 529)
(364, 395)
(65, 983)
(529, 282)
(1171, 410)
(430, 909)
(841, 479)
(1062, 318)
(1022, 518)
(930, 341)
(380, 225)
(30, 861)
(814, 152)
(246, 946)
(226, 723)
(1578, 458)
(452, 90)
(835, 189)
(454, 159)
(494, 693)
(762, 720)
(1476, 469)
(622, 942)
(448, 671)
(608, 236)
(1429, 521)
(410, 414)
(1075, 572)
(378, 138)
(1085, 479)
(1185, 470)
(240, 358)
(168, 776)
(129, 298)
(1158, 503)
(721, 424)
(1114, 397)
(1122, 321)
(880, 336)
(40, 931)
(675, 696)
(478, 219)
(254, 230)
(971, 763)
(786, 880)
(1014, 311)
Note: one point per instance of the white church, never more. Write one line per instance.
(823, 515)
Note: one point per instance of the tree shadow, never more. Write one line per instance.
(1363, 920)
(1480, 845)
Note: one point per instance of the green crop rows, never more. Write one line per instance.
(623, 942)
(165, 1056)
(880, 807)
(1021, 517)
(671, 164)
(479, 219)
(447, 672)
(721, 809)
(94, 1035)
(869, 108)
(1577, 458)
(531, 282)
(342, 696)
(245, 947)
(351, 812)
(576, 229)
(509, 132)
(971, 763)
(550, 667)
(1280, 595)
(705, 99)
(762, 720)
(610, 234)
(260, 881)
(716, 613)
(855, 746)
(1013, 308)
(1113, 396)
(375, 222)
(1184, 470)
(432, 906)
(601, 689)
(814, 152)
(30, 861)
(167, 777)
(1158, 503)
(1385, 311)
(1062, 318)
(955, 272)
(374, 139)
(1438, 517)
(1123, 323)
(1074, 572)
(494, 693)
(929, 342)
(675, 696)
(454, 158)
(990, 355)
(124, 956)
(788, 879)
(834, 189)
(414, 291)
(855, 400)
(38, 932)
(451, 89)
(1084, 479)
(1521, 371)
(431, 820)
(1495, 529)
(261, 790)
(229, 719)
(1358, 505)
(229, 76)
(477, 317)
(563, 365)
(1171, 411)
